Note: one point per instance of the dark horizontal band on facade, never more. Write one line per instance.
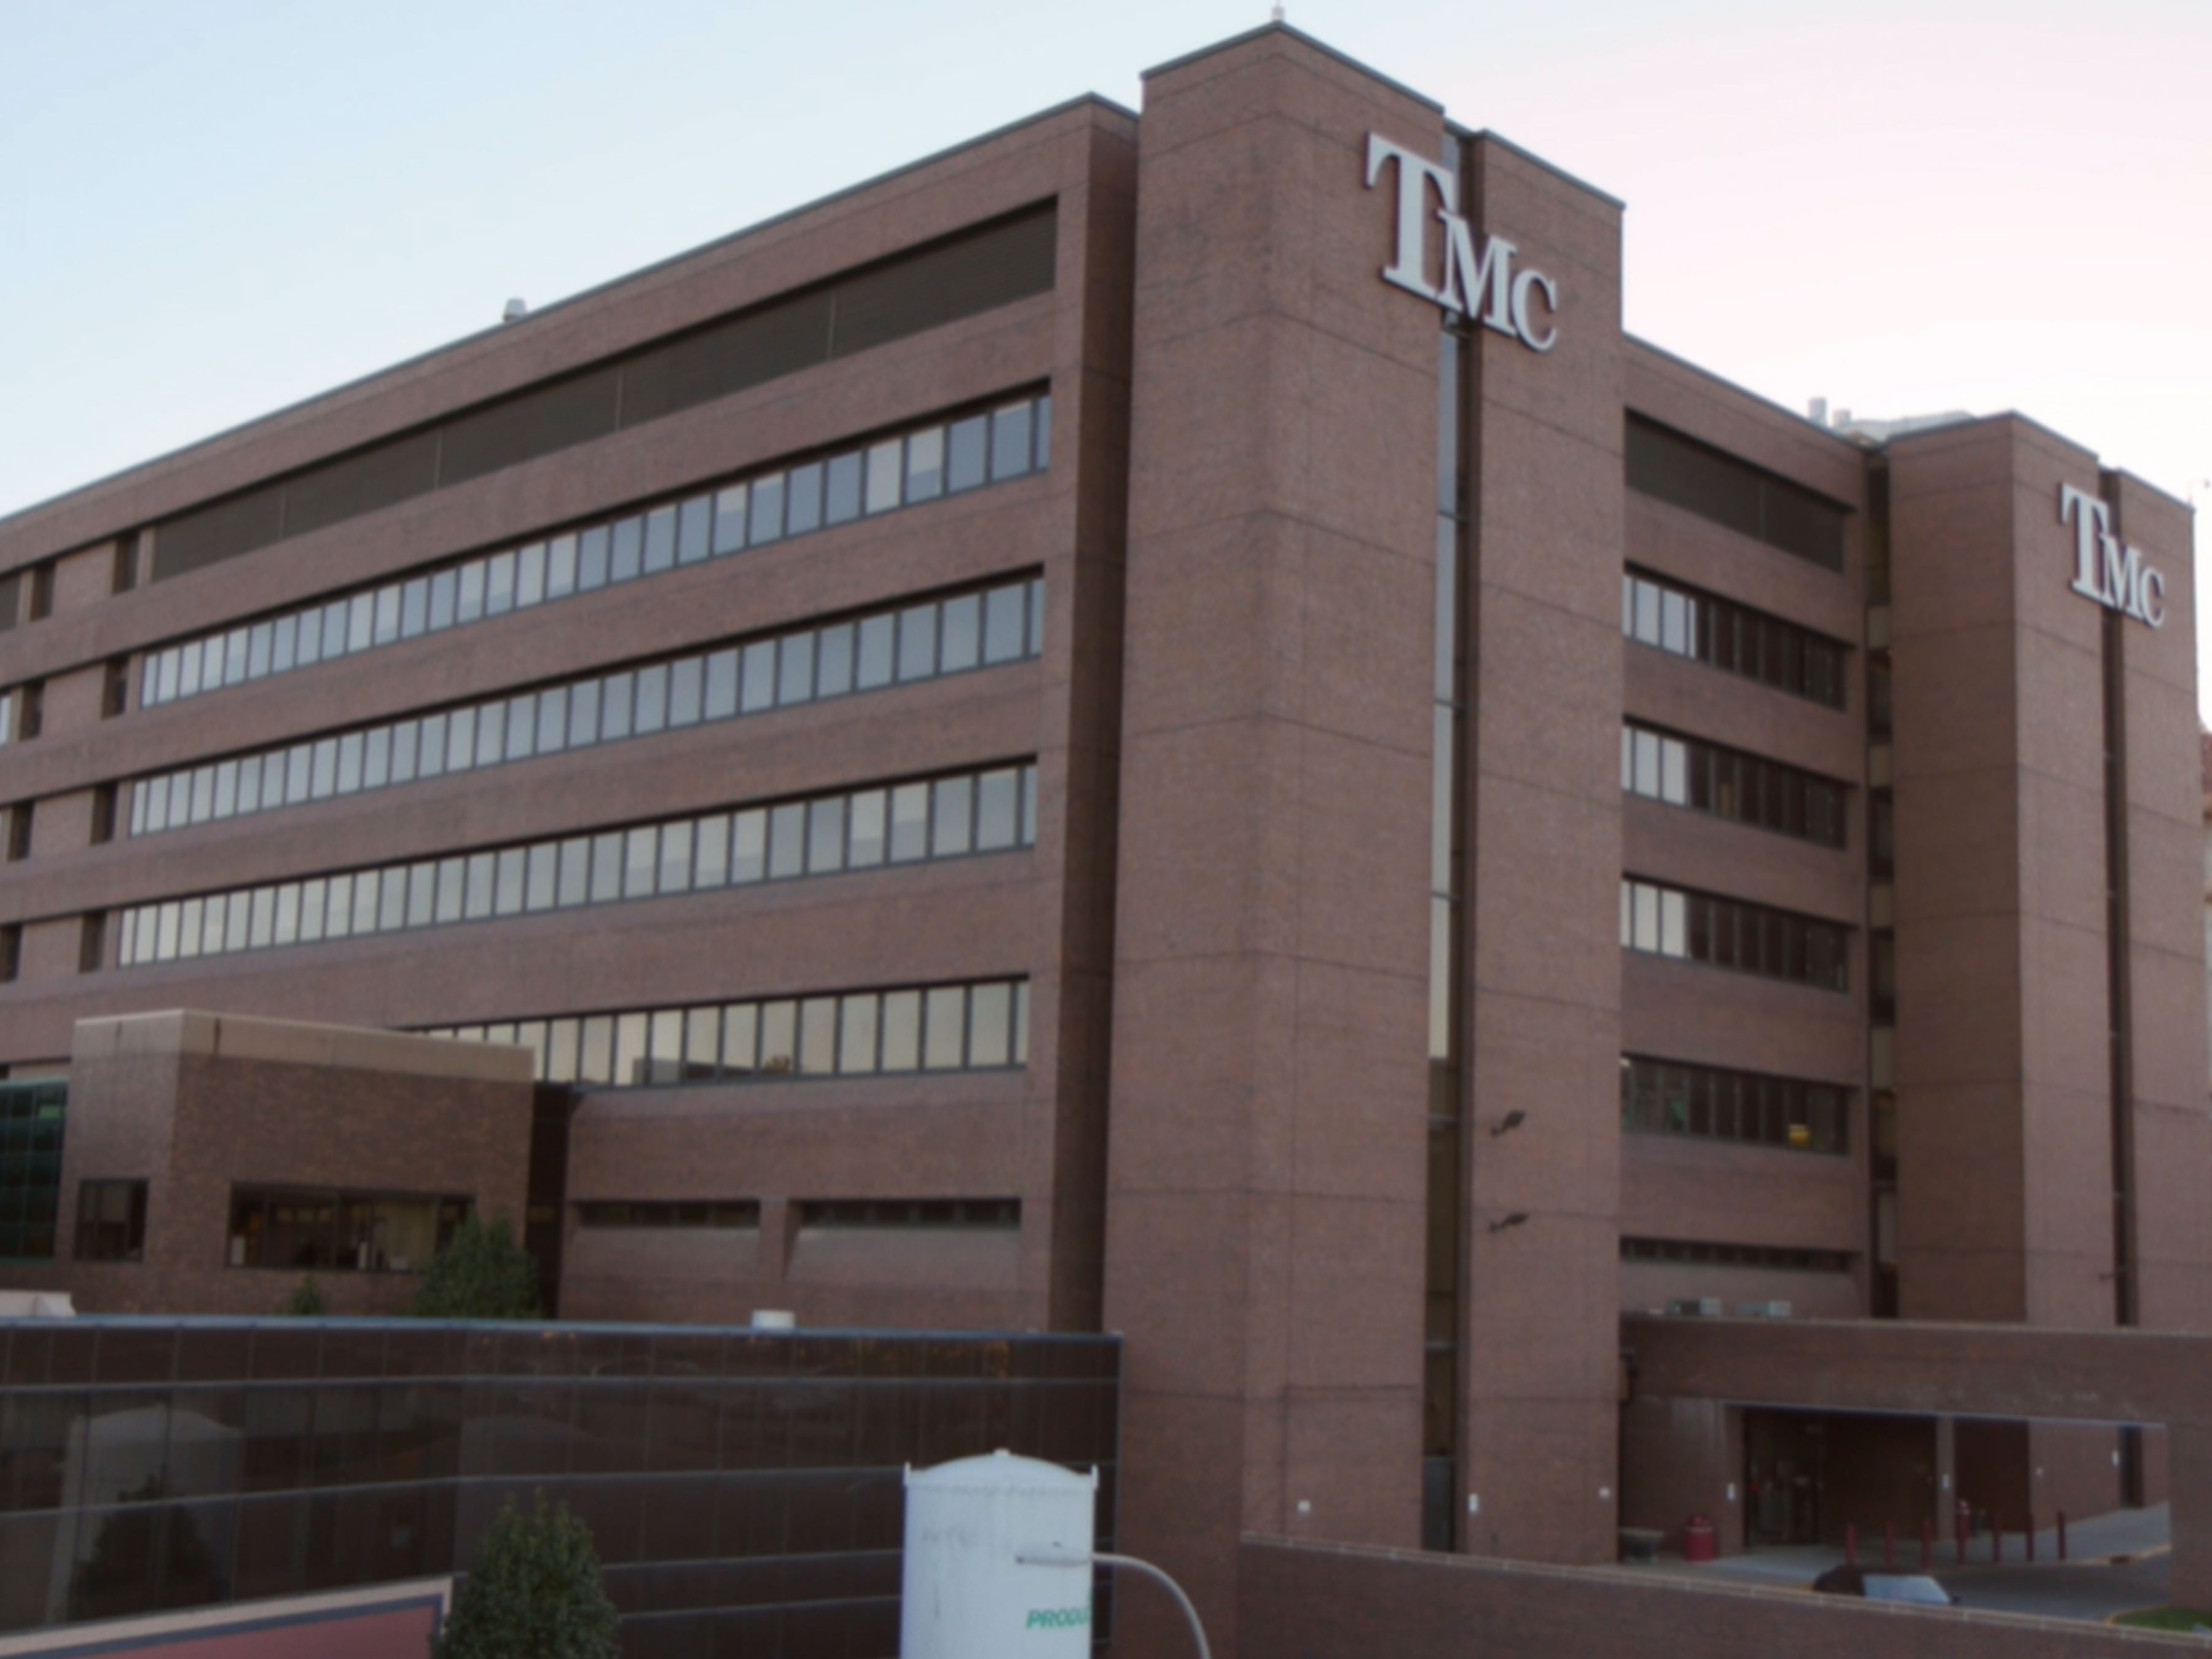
(1733, 784)
(975, 270)
(1718, 1102)
(1705, 1254)
(1658, 920)
(1685, 472)
(1684, 622)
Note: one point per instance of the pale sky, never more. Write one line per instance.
(211, 209)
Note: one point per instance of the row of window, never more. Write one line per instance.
(983, 1026)
(1735, 1256)
(1731, 784)
(1665, 1097)
(1730, 491)
(329, 1231)
(969, 272)
(949, 817)
(894, 646)
(1658, 612)
(1735, 933)
(903, 470)
(840, 1212)
(7, 718)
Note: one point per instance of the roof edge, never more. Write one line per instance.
(1304, 40)
(432, 353)
(1489, 136)
(1760, 397)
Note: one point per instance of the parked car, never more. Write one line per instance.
(1916, 1587)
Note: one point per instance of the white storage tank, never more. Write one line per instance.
(965, 1597)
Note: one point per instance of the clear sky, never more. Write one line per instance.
(211, 209)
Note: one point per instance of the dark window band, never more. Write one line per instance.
(328, 1232)
(1733, 933)
(1666, 1097)
(962, 1212)
(1684, 623)
(1735, 1256)
(1732, 784)
(962, 276)
(1715, 485)
(669, 1212)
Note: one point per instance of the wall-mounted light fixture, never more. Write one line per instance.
(1512, 1120)
(1517, 1218)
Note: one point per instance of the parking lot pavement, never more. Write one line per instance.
(2119, 1563)
(2077, 1590)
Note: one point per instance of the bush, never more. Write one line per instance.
(306, 1301)
(482, 1273)
(533, 1592)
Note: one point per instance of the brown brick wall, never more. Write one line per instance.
(1266, 1168)
(162, 1103)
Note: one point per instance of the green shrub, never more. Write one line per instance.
(306, 1301)
(533, 1592)
(482, 1273)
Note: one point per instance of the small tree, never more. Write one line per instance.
(306, 1301)
(533, 1592)
(482, 1273)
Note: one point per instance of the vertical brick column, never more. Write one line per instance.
(1540, 1369)
(2166, 942)
(1268, 1128)
(2004, 1145)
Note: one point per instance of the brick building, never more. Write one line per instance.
(1159, 724)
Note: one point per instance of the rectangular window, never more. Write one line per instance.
(1732, 784)
(670, 1212)
(1659, 1096)
(1726, 933)
(992, 1213)
(294, 1230)
(111, 1221)
(942, 1028)
(1785, 1256)
(1683, 622)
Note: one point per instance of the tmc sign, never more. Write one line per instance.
(2114, 575)
(1482, 284)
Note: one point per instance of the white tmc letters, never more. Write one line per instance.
(1478, 282)
(2113, 575)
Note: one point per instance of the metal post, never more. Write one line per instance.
(2030, 1537)
(1045, 1557)
(2062, 1534)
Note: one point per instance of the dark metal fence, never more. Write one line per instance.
(744, 1486)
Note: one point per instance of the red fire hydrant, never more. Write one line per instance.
(1697, 1539)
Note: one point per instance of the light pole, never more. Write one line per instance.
(1045, 1556)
